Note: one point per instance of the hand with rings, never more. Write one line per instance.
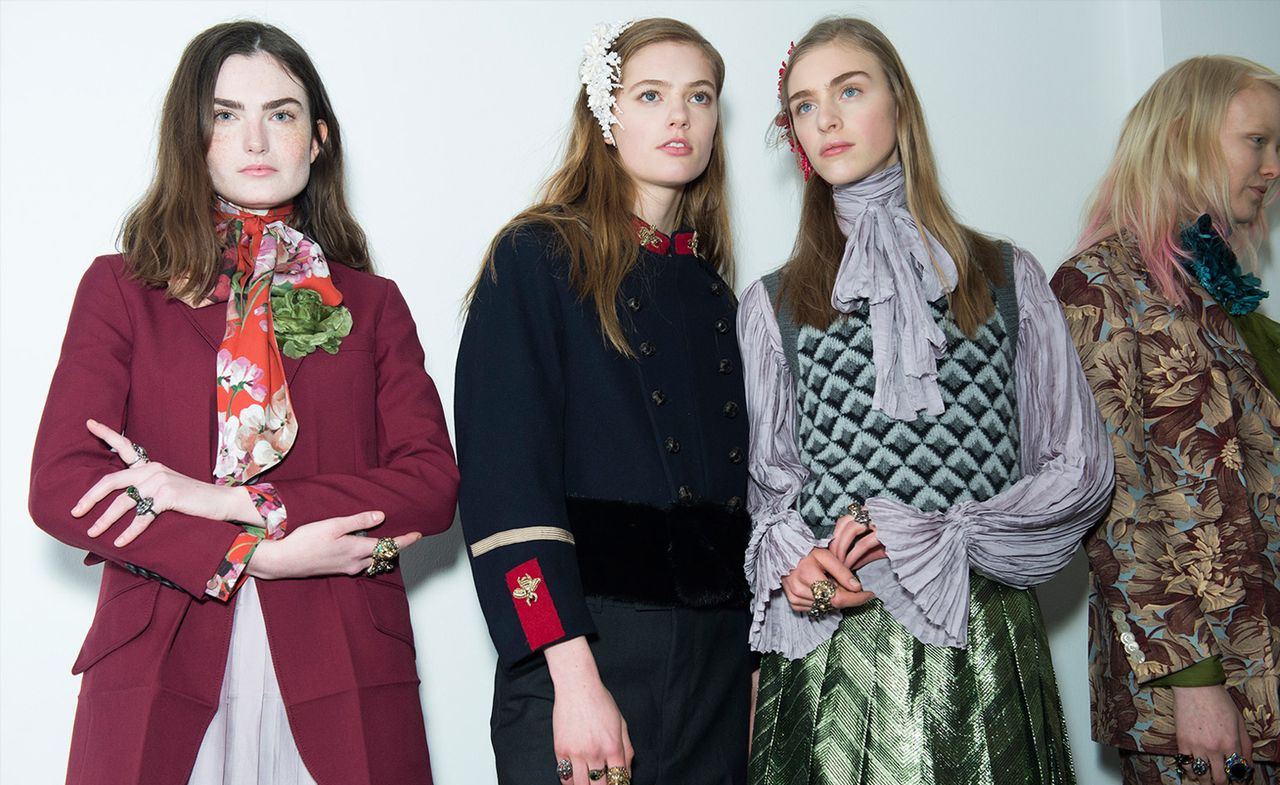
(1211, 735)
(151, 488)
(588, 731)
(855, 541)
(822, 568)
(329, 547)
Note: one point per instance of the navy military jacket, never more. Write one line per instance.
(585, 472)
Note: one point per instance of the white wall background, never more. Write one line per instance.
(453, 113)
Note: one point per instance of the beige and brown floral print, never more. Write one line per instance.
(1186, 563)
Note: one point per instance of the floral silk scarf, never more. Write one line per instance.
(256, 422)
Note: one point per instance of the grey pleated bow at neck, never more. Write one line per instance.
(887, 264)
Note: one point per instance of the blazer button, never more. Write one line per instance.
(730, 409)
(734, 504)
(648, 349)
(672, 445)
(735, 455)
(726, 366)
(685, 494)
(717, 288)
(659, 397)
(722, 326)
(633, 303)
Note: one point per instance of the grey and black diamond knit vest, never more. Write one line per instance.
(854, 452)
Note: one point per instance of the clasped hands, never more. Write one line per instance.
(853, 545)
(325, 547)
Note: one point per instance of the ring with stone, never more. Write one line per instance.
(141, 454)
(1238, 770)
(564, 769)
(142, 504)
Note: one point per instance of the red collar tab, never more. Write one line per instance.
(686, 243)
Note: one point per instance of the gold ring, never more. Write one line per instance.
(823, 590)
(617, 775)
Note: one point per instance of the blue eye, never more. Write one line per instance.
(850, 92)
(804, 108)
(700, 98)
(223, 116)
(282, 116)
(649, 96)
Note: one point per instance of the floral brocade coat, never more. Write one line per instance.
(1186, 563)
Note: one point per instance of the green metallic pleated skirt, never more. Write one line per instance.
(874, 706)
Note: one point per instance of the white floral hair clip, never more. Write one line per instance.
(601, 74)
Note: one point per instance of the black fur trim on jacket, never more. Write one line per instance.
(688, 555)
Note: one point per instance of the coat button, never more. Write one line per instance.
(672, 445)
(734, 504)
(717, 288)
(648, 349)
(730, 409)
(735, 455)
(1117, 616)
(659, 397)
(685, 494)
(633, 303)
(722, 326)
(726, 366)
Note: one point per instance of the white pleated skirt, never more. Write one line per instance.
(249, 741)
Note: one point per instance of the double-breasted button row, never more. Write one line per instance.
(648, 349)
(735, 455)
(659, 397)
(722, 326)
(672, 444)
(726, 366)
(730, 409)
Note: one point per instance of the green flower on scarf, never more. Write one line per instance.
(304, 323)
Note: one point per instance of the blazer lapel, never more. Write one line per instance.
(210, 321)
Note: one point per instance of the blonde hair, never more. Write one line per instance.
(1169, 169)
(809, 275)
(590, 198)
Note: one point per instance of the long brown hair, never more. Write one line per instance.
(1168, 167)
(168, 238)
(810, 274)
(589, 199)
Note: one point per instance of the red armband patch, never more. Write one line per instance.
(534, 605)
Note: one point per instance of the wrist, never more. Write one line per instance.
(571, 664)
(262, 563)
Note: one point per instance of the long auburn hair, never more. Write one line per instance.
(589, 199)
(810, 273)
(1168, 167)
(168, 238)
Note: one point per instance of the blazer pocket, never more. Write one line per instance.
(388, 608)
(120, 619)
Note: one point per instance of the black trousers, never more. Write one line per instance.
(681, 678)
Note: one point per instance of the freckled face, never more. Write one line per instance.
(1250, 138)
(668, 110)
(843, 113)
(262, 147)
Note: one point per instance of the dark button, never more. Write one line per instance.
(734, 504)
(730, 409)
(659, 397)
(722, 326)
(648, 349)
(685, 494)
(735, 455)
(672, 445)
(726, 366)
(633, 303)
(717, 287)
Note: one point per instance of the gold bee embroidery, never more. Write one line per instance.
(649, 236)
(527, 589)
(693, 243)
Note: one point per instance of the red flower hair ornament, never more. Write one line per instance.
(783, 121)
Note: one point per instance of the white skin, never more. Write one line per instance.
(1250, 138)
(669, 106)
(1207, 722)
(260, 157)
(844, 116)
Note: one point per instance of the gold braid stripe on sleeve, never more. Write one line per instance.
(525, 534)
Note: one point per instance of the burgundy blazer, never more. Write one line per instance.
(371, 435)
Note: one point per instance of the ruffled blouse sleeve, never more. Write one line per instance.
(1024, 535)
(779, 537)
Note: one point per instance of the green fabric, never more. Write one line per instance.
(304, 323)
(1262, 336)
(874, 706)
(1205, 673)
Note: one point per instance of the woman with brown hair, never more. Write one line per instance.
(923, 451)
(600, 438)
(1184, 611)
(209, 660)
